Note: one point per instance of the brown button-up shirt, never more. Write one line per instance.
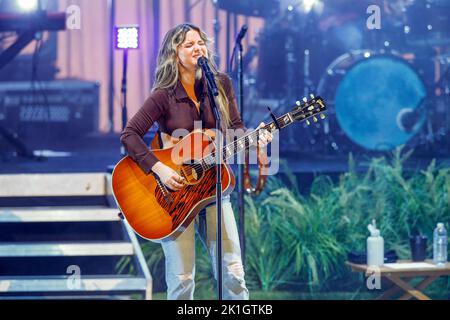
(172, 110)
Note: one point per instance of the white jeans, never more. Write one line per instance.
(180, 255)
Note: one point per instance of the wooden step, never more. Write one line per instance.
(53, 185)
(88, 284)
(65, 249)
(58, 214)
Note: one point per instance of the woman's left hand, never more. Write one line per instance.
(265, 137)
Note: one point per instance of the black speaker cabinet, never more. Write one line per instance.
(62, 109)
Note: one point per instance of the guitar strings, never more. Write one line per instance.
(205, 166)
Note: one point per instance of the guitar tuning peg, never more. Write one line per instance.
(322, 116)
(315, 119)
(298, 103)
(311, 96)
(305, 100)
(307, 122)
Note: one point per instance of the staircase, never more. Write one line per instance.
(61, 237)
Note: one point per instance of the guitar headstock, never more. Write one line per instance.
(309, 109)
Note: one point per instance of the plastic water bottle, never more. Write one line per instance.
(440, 241)
(375, 246)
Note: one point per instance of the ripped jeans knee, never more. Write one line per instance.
(235, 283)
(181, 287)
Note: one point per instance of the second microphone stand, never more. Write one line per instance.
(240, 179)
(241, 208)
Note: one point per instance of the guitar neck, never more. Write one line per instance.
(245, 142)
(301, 112)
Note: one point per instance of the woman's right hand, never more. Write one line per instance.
(168, 176)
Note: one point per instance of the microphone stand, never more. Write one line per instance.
(241, 207)
(240, 177)
(218, 165)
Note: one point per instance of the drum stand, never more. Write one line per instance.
(20, 147)
(308, 84)
(435, 136)
(292, 90)
(291, 63)
(444, 131)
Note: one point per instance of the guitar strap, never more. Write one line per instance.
(200, 92)
(202, 108)
(263, 165)
(157, 141)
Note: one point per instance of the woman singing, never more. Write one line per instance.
(178, 99)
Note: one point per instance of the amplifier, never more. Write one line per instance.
(60, 109)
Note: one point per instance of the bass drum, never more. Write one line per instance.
(375, 100)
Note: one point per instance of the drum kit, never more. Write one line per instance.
(387, 88)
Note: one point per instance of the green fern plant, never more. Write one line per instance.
(300, 242)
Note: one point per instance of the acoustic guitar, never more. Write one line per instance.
(158, 213)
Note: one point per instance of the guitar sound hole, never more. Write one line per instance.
(192, 171)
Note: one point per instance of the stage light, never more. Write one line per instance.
(308, 5)
(127, 37)
(27, 5)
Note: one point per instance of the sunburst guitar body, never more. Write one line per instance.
(154, 211)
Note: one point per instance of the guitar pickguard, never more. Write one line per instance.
(186, 198)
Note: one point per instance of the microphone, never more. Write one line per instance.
(241, 33)
(203, 63)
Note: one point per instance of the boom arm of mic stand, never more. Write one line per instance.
(230, 65)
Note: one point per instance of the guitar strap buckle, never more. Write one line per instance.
(274, 119)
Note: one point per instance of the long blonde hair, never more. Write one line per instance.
(167, 73)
